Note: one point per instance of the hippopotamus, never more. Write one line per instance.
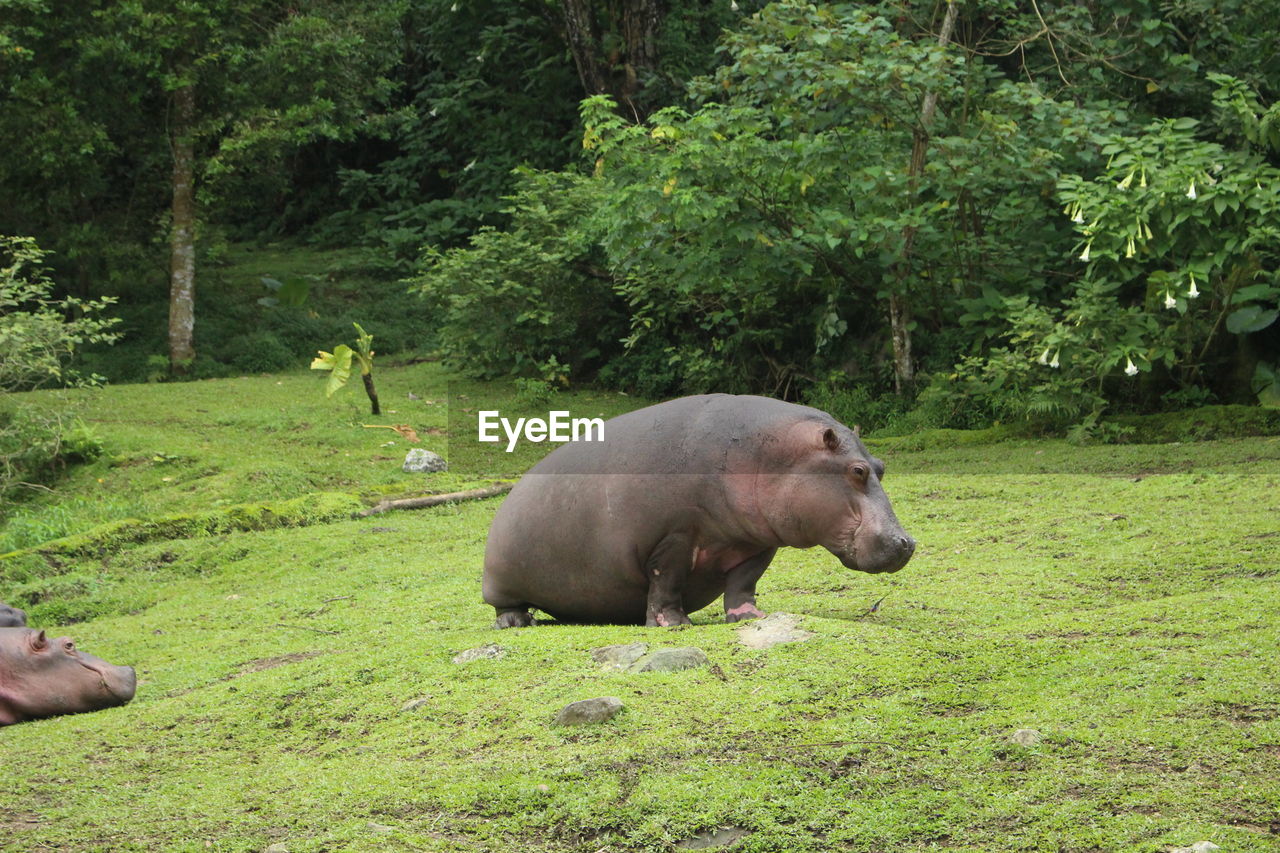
(40, 677)
(11, 617)
(681, 503)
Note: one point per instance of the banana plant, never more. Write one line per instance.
(338, 363)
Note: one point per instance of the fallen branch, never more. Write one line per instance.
(436, 500)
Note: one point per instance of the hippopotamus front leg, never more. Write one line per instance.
(740, 587)
(668, 569)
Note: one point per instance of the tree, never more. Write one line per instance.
(217, 87)
(39, 334)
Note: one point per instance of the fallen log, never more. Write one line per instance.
(436, 500)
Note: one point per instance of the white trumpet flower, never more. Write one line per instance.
(1130, 369)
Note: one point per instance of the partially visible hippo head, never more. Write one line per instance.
(831, 496)
(40, 677)
(11, 617)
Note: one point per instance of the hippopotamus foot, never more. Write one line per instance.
(669, 617)
(518, 618)
(742, 612)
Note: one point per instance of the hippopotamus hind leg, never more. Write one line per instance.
(514, 617)
(740, 587)
(668, 569)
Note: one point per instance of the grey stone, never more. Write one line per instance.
(419, 461)
(598, 710)
(1026, 737)
(277, 848)
(489, 651)
(415, 704)
(670, 660)
(619, 657)
(715, 838)
(1198, 847)
(771, 630)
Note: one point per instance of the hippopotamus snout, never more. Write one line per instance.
(893, 552)
(120, 682)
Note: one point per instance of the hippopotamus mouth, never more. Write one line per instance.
(873, 554)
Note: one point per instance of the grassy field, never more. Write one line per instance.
(1123, 601)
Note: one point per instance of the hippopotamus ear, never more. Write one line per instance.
(38, 642)
(830, 440)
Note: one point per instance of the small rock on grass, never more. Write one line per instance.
(635, 657)
(671, 660)
(277, 848)
(716, 838)
(598, 710)
(619, 657)
(419, 461)
(489, 651)
(415, 704)
(1026, 737)
(772, 630)
(1198, 847)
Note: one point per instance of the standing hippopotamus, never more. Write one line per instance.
(11, 617)
(683, 502)
(40, 677)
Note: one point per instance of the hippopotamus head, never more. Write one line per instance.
(42, 677)
(11, 617)
(827, 492)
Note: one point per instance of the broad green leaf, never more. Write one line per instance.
(338, 363)
(1250, 319)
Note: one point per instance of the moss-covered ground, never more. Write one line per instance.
(1123, 601)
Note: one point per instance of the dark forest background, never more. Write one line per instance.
(937, 214)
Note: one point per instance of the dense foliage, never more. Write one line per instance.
(39, 335)
(761, 238)
(968, 211)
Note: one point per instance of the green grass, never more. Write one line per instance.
(1120, 600)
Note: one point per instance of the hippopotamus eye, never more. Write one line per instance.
(859, 472)
(68, 646)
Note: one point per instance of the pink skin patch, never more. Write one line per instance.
(748, 610)
(662, 621)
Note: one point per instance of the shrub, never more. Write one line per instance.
(37, 340)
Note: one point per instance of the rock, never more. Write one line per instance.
(635, 657)
(381, 828)
(670, 660)
(489, 651)
(1026, 737)
(277, 848)
(772, 630)
(598, 710)
(419, 461)
(619, 657)
(415, 704)
(1198, 847)
(715, 838)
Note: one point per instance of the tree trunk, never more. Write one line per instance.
(182, 238)
(373, 394)
(635, 25)
(899, 308)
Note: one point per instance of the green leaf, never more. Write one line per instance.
(338, 363)
(1249, 319)
(1266, 384)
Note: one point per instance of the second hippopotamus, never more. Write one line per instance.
(681, 503)
(44, 677)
